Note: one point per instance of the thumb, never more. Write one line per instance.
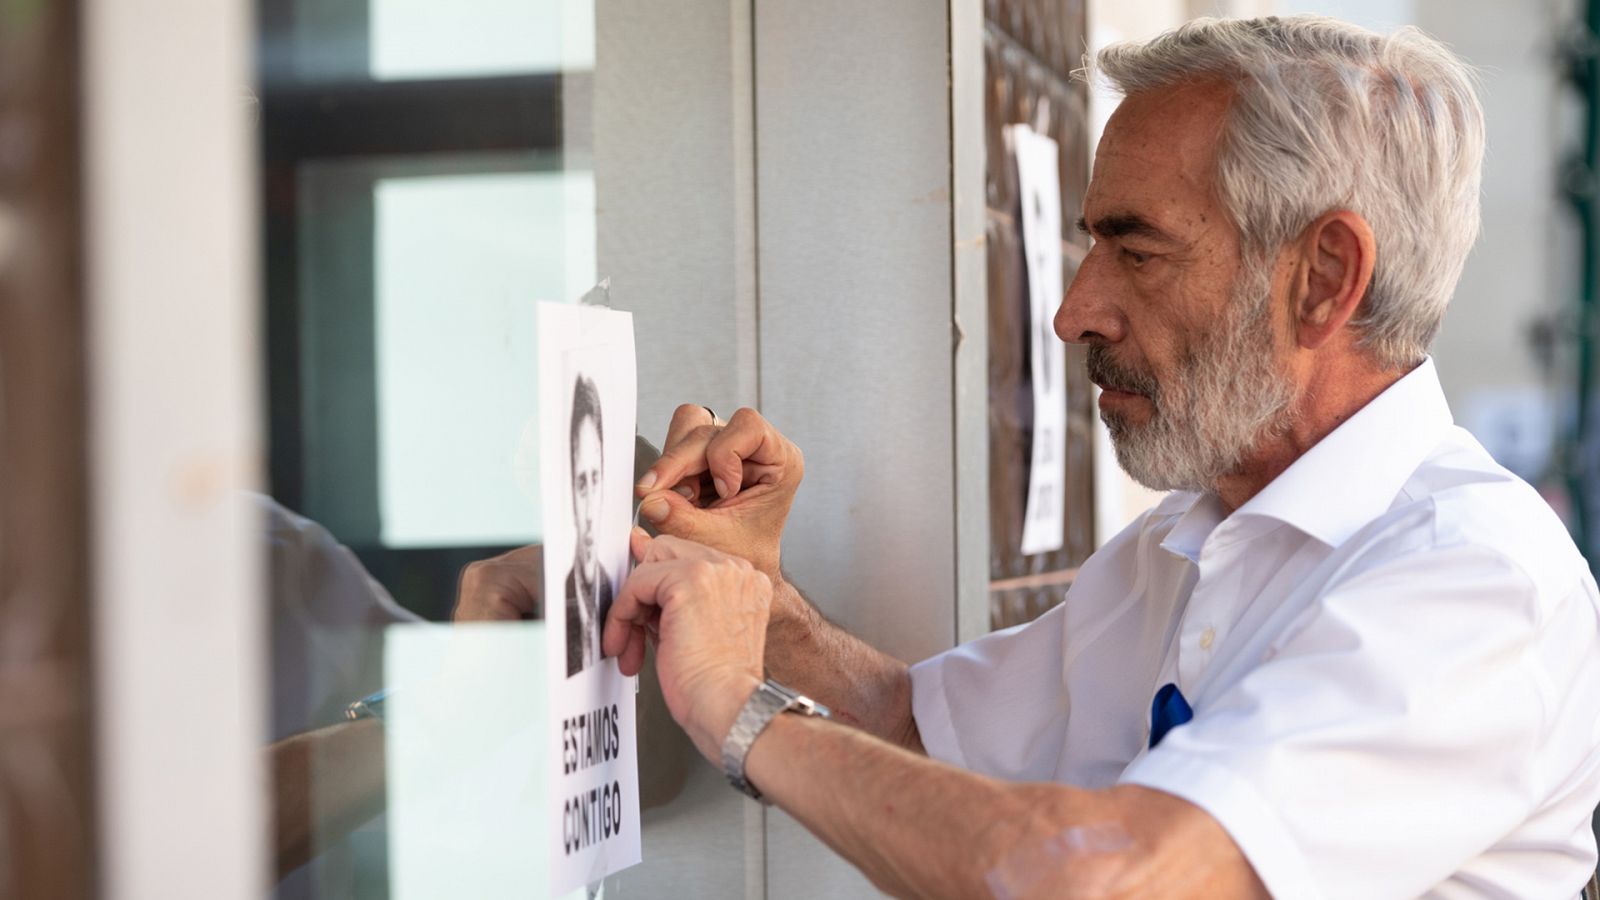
(638, 542)
(671, 514)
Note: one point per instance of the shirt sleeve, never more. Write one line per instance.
(994, 705)
(328, 618)
(1395, 732)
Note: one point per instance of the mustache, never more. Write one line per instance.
(1108, 373)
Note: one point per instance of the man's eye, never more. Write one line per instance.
(1135, 257)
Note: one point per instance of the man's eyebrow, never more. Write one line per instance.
(1123, 224)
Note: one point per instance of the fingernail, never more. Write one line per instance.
(655, 509)
(684, 491)
(640, 532)
(722, 487)
(648, 481)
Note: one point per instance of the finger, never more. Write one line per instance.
(614, 634)
(704, 490)
(689, 489)
(683, 459)
(531, 555)
(685, 419)
(631, 659)
(661, 506)
(747, 437)
(515, 601)
(524, 589)
(759, 473)
(494, 590)
(633, 604)
(639, 543)
(672, 515)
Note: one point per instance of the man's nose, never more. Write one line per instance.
(1089, 313)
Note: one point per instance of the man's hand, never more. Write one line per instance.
(707, 611)
(505, 588)
(729, 486)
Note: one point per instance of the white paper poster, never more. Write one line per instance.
(587, 397)
(1039, 187)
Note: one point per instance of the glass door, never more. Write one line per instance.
(429, 173)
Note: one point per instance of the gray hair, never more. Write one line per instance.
(1331, 116)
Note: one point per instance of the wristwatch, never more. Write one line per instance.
(766, 702)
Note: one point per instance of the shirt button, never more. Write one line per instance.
(1207, 638)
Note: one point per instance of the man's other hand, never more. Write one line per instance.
(707, 612)
(508, 587)
(729, 486)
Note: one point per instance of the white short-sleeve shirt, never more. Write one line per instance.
(1392, 653)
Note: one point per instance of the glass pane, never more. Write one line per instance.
(395, 40)
(417, 376)
(460, 260)
(427, 39)
(431, 172)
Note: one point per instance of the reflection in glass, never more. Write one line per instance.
(460, 262)
(426, 181)
(327, 617)
(428, 39)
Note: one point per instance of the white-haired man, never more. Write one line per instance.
(1349, 656)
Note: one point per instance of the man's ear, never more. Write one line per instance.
(1338, 251)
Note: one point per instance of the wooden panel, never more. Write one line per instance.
(47, 838)
(1030, 50)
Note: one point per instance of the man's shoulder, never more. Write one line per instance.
(1461, 498)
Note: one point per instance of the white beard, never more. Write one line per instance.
(1225, 396)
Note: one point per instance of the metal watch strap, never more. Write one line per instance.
(766, 702)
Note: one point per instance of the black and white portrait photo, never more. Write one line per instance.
(588, 589)
(588, 417)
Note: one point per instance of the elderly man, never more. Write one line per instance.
(1349, 656)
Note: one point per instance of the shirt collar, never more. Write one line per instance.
(1198, 518)
(1351, 477)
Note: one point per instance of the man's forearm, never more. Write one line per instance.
(864, 687)
(325, 783)
(915, 827)
(920, 828)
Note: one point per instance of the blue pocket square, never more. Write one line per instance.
(1167, 711)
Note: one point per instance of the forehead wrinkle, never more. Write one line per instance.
(1160, 152)
(1188, 187)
